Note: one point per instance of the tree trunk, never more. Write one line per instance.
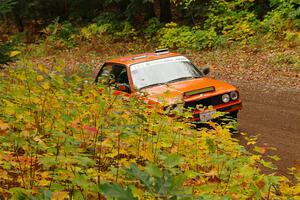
(65, 10)
(18, 14)
(18, 21)
(165, 11)
(149, 8)
(262, 8)
(123, 5)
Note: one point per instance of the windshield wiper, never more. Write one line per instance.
(183, 78)
(151, 85)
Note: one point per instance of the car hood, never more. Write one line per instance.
(173, 92)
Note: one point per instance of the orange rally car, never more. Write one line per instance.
(173, 78)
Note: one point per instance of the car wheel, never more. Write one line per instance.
(233, 115)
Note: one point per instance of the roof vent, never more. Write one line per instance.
(161, 51)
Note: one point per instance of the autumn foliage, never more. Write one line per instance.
(62, 137)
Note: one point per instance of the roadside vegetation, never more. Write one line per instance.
(63, 137)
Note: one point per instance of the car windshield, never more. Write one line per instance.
(163, 71)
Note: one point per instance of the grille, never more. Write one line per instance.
(212, 101)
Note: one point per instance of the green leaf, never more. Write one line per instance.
(48, 162)
(42, 194)
(85, 161)
(112, 190)
(153, 170)
(261, 150)
(135, 172)
(211, 145)
(267, 164)
(255, 190)
(177, 182)
(173, 160)
(19, 193)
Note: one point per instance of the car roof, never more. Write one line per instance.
(139, 58)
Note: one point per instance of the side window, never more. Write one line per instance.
(112, 74)
(119, 73)
(104, 76)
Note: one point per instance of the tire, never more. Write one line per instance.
(233, 115)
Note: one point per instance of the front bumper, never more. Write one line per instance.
(227, 107)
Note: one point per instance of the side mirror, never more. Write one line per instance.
(124, 88)
(205, 70)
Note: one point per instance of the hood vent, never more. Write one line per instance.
(198, 91)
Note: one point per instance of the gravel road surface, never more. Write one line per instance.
(272, 113)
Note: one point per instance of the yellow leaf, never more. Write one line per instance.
(59, 195)
(39, 78)
(255, 157)
(212, 173)
(4, 175)
(35, 100)
(42, 68)
(46, 85)
(3, 127)
(38, 140)
(44, 175)
(107, 143)
(251, 142)
(147, 155)
(44, 182)
(90, 99)
(297, 189)
(58, 68)
(112, 154)
(3, 191)
(25, 133)
(138, 193)
(125, 163)
(14, 53)
(21, 76)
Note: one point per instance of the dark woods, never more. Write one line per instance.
(28, 13)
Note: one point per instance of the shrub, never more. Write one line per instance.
(125, 31)
(111, 24)
(284, 15)
(6, 6)
(285, 60)
(8, 53)
(61, 34)
(95, 31)
(206, 38)
(232, 18)
(175, 36)
(152, 29)
(293, 38)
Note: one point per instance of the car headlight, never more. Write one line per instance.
(234, 95)
(225, 98)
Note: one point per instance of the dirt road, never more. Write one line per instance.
(273, 113)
